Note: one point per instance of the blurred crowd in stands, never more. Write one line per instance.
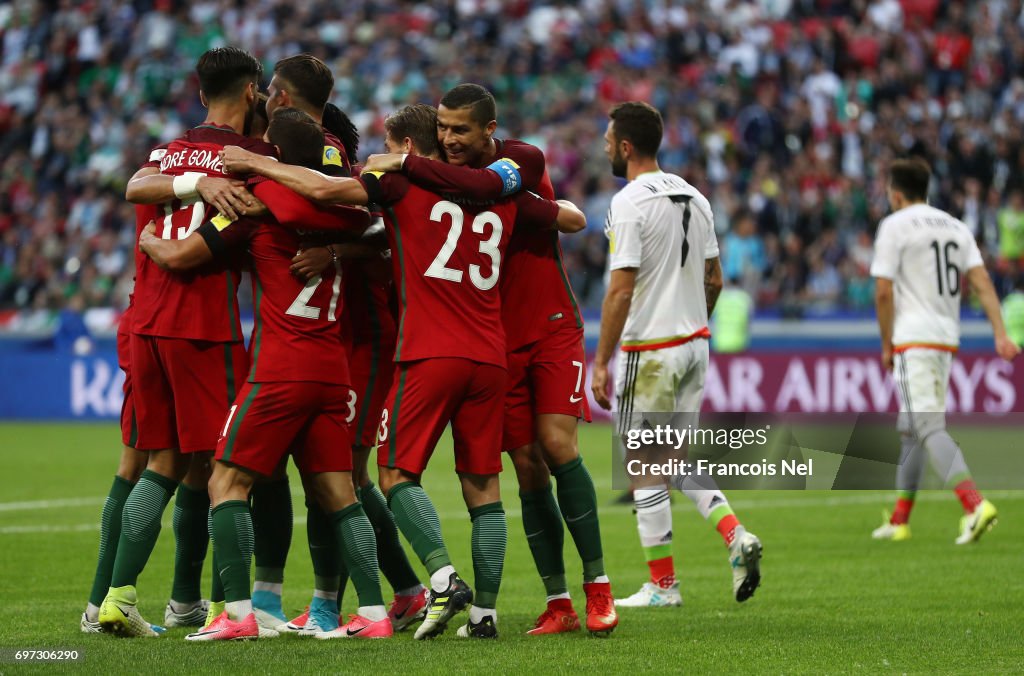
(783, 112)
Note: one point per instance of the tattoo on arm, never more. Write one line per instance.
(712, 283)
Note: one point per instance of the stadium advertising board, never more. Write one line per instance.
(54, 386)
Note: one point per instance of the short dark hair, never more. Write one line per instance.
(259, 115)
(298, 136)
(338, 123)
(468, 95)
(640, 124)
(225, 71)
(308, 78)
(419, 123)
(910, 176)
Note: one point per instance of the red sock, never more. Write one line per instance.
(727, 528)
(901, 514)
(663, 572)
(969, 496)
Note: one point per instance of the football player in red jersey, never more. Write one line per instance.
(296, 397)
(130, 467)
(446, 281)
(190, 518)
(186, 348)
(304, 82)
(546, 360)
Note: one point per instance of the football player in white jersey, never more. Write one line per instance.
(921, 256)
(664, 279)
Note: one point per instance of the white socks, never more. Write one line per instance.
(439, 580)
(653, 516)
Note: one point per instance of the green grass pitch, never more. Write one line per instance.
(832, 600)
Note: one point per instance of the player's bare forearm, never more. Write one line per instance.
(980, 281)
(149, 186)
(174, 255)
(885, 309)
(614, 312)
(570, 218)
(712, 282)
(228, 196)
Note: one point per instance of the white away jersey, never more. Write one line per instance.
(660, 225)
(925, 252)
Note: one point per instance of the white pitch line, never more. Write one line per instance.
(49, 504)
(756, 503)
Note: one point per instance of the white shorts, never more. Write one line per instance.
(661, 381)
(922, 384)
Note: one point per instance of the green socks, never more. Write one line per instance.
(322, 548)
(110, 532)
(192, 538)
(390, 554)
(216, 585)
(542, 522)
(578, 502)
(490, 537)
(233, 544)
(357, 547)
(140, 526)
(417, 518)
(272, 525)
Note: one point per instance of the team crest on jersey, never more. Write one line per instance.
(332, 156)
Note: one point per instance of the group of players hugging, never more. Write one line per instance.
(425, 289)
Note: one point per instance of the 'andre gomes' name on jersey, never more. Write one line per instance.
(192, 158)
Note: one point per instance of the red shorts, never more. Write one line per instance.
(371, 369)
(428, 394)
(182, 389)
(546, 376)
(269, 420)
(129, 426)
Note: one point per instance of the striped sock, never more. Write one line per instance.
(272, 524)
(417, 518)
(490, 538)
(110, 533)
(391, 555)
(357, 547)
(578, 502)
(216, 584)
(192, 539)
(233, 543)
(542, 523)
(140, 526)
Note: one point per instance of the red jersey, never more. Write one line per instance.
(200, 305)
(368, 317)
(296, 335)
(447, 260)
(535, 292)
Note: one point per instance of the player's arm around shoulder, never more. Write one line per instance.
(178, 255)
(309, 183)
